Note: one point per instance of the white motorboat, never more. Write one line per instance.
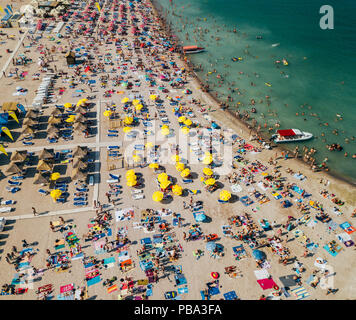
(291, 135)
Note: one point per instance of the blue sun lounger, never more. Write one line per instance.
(14, 183)
(42, 191)
(80, 203)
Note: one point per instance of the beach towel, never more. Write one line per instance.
(347, 227)
(345, 239)
(276, 195)
(231, 295)
(288, 281)
(214, 291)
(112, 289)
(239, 252)
(300, 293)
(183, 290)
(266, 283)
(93, 281)
(203, 296)
(261, 274)
(333, 253)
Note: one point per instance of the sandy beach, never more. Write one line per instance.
(283, 233)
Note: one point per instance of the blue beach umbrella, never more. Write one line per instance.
(200, 217)
(258, 254)
(211, 246)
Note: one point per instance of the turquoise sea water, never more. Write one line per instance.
(320, 79)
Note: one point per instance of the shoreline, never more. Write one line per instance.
(233, 117)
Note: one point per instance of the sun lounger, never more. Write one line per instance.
(113, 147)
(17, 177)
(14, 183)
(82, 189)
(5, 209)
(138, 196)
(187, 180)
(42, 191)
(137, 191)
(27, 143)
(80, 199)
(80, 203)
(12, 189)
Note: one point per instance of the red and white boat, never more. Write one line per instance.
(291, 135)
(193, 49)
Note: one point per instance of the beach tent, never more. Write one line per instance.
(80, 151)
(78, 163)
(14, 168)
(44, 166)
(77, 174)
(46, 154)
(18, 156)
(40, 179)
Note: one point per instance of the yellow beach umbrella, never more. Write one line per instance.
(188, 122)
(165, 131)
(157, 196)
(225, 195)
(138, 107)
(208, 159)
(12, 114)
(154, 165)
(136, 158)
(185, 173)
(177, 190)
(107, 113)
(208, 171)
(125, 100)
(128, 120)
(182, 119)
(185, 130)
(55, 194)
(131, 183)
(162, 177)
(2, 149)
(210, 181)
(84, 100)
(165, 184)
(130, 172)
(131, 178)
(127, 129)
(153, 97)
(149, 145)
(55, 176)
(135, 102)
(8, 133)
(180, 166)
(67, 105)
(175, 158)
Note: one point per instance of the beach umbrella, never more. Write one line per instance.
(165, 130)
(136, 158)
(180, 166)
(153, 97)
(107, 113)
(258, 254)
(70, 119)
(185, 130)
(207, 171)
(210, 182)
(211, 246)
(55, 194)
(80, 151)
(130, 172)
(43, 165)
(188, 122)
(185, 173)
(67, 105)
(18, 156)
(154, 165)
(55, 176)
(30, 114)
(128, 120)
(127, 129)
(149, 145)
(182, 119)
(54, 120)
(200, 217)
(29, 122)
(208, 158)
(135, 102)
(46, 154)
(131, 183)
(125, 100)
(177, 190)
(157, 196)
(162, 177)
(8, 133)
(138, 107)
(225, 195)
(77, 174)
(14, 168)
(175, 158)
(40, 179)
(165, 184)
